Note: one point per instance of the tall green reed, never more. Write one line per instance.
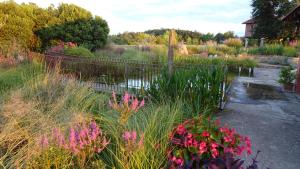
(197, 87)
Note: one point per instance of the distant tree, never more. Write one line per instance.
(219, 37)
(207, 37)
(229, 34)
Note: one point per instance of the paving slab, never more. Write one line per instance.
(259, 108)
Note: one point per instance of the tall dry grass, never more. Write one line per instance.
(44, 103)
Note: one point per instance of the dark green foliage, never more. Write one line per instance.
(197, 87)
(78, 51)
(274, 50)
(91, 33)
(268, 14)
(160, 36)
(286, 75)
(29, 24)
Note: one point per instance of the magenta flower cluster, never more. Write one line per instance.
(81, 137)
(199, 140)
(126, 107)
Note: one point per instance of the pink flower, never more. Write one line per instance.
(188, 143)
(189, 136)
(227, 139)
(215, 153)
(126, 98)
(179, 161)
(133, 136)
(126, 136)
(73, 141)
(202, 147)
(142, 103)
(94, 131)
(181, 129)
(134, 105)
(195, 143)
(214, 145)
(44, 141)
(205, 134)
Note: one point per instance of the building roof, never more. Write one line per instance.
(290, 13)
(250, 21)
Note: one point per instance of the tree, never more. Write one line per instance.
(91, 33)
(220, 37)
(30, 25)
(267, 14)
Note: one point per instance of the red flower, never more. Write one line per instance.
(215, 153)
(214, 145)
(205, 134)
(181, 129)
(227, 139)
(202, 147)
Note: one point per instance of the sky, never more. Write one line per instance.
(139, 15)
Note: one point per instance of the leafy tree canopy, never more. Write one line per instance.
(35, 28)
(267, 14)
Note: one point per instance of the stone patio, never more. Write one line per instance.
(258, 107)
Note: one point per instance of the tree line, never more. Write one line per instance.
(160, 36)
(36, 28)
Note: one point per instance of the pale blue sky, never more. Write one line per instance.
(140, 15)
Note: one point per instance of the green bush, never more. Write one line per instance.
(275, 50)
(193, 49)
(234, 42)
(286, 75)
(78, 51)
(290, 52)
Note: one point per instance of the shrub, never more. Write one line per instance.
(234, 42)
(290, 52)
(273, 49)
(197, 141)
(78, 51)
(192, 49)
(286, 75)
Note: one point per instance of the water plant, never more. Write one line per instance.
(199, 88)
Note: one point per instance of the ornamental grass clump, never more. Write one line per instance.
(197, 141)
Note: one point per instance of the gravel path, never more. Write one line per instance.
(259, 108)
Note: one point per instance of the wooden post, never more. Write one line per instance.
(297, 85)
(262, 42)
(246, 42)
(172, 43)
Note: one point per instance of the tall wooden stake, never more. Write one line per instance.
(172, 43)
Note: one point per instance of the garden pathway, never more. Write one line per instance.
(259, 108)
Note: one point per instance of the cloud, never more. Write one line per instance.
(139, 15)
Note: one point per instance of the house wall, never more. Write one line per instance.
(249, 30)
